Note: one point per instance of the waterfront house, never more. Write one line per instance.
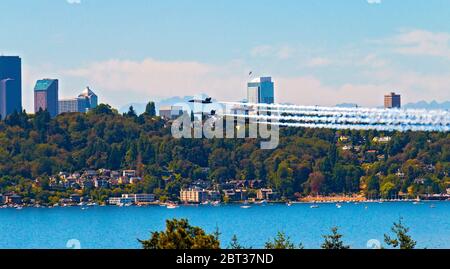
(383, 139)
(13, 199)
(119, 200)
(235, 194)
(229, 194)
(128, 173)
(141, 198)
(104, 172)
(75, 198)
(101, 183)
(193, 195)
(264, 194)
(214, 195)
(124, 180)
(135, 180)
(115, 174)
(241, 194)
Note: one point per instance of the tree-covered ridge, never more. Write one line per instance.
(307, 161)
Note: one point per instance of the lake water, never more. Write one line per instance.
(120, 227)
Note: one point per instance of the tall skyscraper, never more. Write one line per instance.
(392, 100)
(10, 85)
(91, 97)
(261, 91)
(46, 96)
(84, 102)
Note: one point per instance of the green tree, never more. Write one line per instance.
(131, 113)
(281, 241)
(234, 244)
(402, 239)
(150, 109)
(179, 234)
(334, 240)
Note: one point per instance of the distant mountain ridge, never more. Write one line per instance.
(140, 107)
(419, 105)
(430, 105)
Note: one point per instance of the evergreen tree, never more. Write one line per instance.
(150, 109)
(281, 241)
(402, 240)
(234, 244)
(334, 240)
(179, 234)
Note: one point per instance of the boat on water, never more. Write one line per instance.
(246, 206)
(216, 203)
(432, 206)
(171, 205)
(314, 206)
(338, 205)
(289, 204)
(19, 208)
(262, 202)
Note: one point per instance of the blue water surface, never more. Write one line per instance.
(120, 227)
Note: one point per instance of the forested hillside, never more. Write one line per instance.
(307, 161)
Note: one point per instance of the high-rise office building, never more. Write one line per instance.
(84, 102)
(91, 97)
(261, 91)
(46, 96)
(10, 85)
(392, 100)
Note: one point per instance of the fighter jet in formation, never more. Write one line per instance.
(206, 101)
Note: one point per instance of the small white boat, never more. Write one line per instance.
(245, 206)
(314, 206)
(216, 203)
(289, 204)
(338, 205)
(432, 206)
(263, 202)
(171, 206)
(19, 208)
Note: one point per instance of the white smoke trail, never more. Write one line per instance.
(349, 118)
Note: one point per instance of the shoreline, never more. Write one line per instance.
(249, 204)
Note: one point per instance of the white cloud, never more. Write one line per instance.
(74, 2)
(120, 82)
(374, 2)
(319, 62)
(420, 42)
(261, 51)
(283, 52)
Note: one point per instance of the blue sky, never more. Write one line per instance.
(319, 52)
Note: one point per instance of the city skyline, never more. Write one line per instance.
(354, 52)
